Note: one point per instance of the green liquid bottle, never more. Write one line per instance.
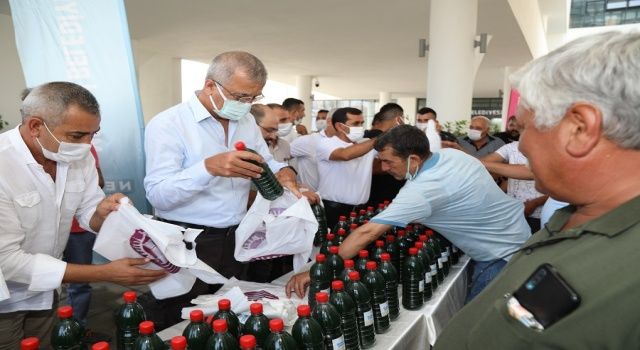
(346, 308)
(222, 339)
(67, 332)
(348, 267)
(279, 339)
(342, 224)
(267, 184)
(257, 324)
(329, 319)
(31, 343)
(307, 331)
(148, 339)
(320, 275)
(413, 281)
(362, 216)
(424, 257)
(318, 212)
(364, 313)
(342, 235)
(352, 228)
(335, 262)
(445, 253)
(433, 244)
(225, 313)
(380, 208)
(403, 251)
(197, 331)
(353, 219)
(388, 271)
(128, 321)
(374, 281)
(361, 262)
(391, 247)
(248, 342)
(433, 262)
(328, 242)
(179, 342)
(378, 250)
(103, 345)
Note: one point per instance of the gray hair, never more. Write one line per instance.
(602, 69)
(486, 120)
(226, 64)
(258, 112)
(51, 101)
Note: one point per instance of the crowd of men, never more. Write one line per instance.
(574, 138)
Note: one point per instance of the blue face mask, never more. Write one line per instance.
(408, 176)
(231, 109)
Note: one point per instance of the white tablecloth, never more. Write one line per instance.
(411, 330)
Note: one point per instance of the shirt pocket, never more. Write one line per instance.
(73, 193)
(28, 207)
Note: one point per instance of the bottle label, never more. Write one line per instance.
(368, 318)
(434, 270)
(440, 263)
(338, 344)
(243, 317)
(421, 286)
(427, 277)
(384, 309)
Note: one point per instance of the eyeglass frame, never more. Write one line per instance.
(243, 99)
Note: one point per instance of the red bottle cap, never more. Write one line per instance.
(103, 345)
(196, 316)
(129, 296)
(220, 325)
(381, 206)
(276, 325)
(363, 253)
(304, 310)
(322, 297)
(379, 243)
(342, 218)
(337, 285)
(362, 211)
(401, 233)
(341, 232)
(354, 275)
(349, 264)
(422, 238)
(224, 304)
(247, 341)
(146, 327)
(334, 249)
(330, 236)
(429, 232)
(386, 201)
(240, 146)
(353, 226)
(65, 311)
(391, 239)
(371, 265)
(385, 257)
(31, 343)
(413, 251)
(419, 245)
(352, 214)
(369, 208)
(321, 258)
(178, 343)
(409, 228)
(256, 308)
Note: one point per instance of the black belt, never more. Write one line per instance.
(205, 229)
(339, 205)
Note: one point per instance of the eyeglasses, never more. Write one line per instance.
(240, 97)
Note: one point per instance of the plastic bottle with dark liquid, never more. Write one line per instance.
(364, 313)
(320, 275)
(267, 184)
(335, 262)
(346, 307)
(279, 339)
(349, 265)
(225, 313)
(197, 332)
(307, 331)
(388, 271)
(428, 289)
(329, 319)
(374, 281)
(222, 339)
(412, 281)
(257, 324)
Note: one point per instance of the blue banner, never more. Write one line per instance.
(87, 42)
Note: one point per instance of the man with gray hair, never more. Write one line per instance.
(195, 178)
(478, 142)
(46, 179)
(574, 284)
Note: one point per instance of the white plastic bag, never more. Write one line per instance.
(285, 226)
(128, 234)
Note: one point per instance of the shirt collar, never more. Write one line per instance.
(19, 144)
(430, 162)
(200, 113)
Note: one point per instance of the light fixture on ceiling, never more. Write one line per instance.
(482, 43)
(423, 47)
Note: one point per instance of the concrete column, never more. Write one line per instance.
(408, 104)
(451, 58)
(384, 98)
(506, 89)
(303, 85)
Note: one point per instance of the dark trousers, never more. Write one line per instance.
(333, 210)
(265, 271)
(215, 247)
(534, 224)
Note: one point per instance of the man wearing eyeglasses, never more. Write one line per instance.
(195, 178)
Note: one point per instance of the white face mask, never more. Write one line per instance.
(421, 126)
(284, 129)
(356, 133)
(408, 176)
(231, 109)
(67, 152)
(321, 124)
(474, 135)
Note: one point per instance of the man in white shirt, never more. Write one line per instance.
(295, 111)
(195, 177)
(345, 165)
(48, 178)
(268, 122)
(321, 120)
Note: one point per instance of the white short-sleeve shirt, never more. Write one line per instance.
(522, 190)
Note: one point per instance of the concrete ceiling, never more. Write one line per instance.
(356, 48)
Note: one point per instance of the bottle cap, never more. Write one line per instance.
(379, 243)
(146, 327)
(409, 228)
(342, 218)
(220, 325)
(129, 296)
(381, 206)
(322, 297)
(354, 275)
(334, 249)
(196, 315)
(248, 341)
(65, 311)
(413, 251)
(401, 233)
(352, 214)
(330, 236)
(256, 308)
(387, 202)
(353, 227)
(31, 343)
(103, 345)
(390, 238)
(321, 258)
(240, 146)
(349, 264)
(178, 343)
(341, 232)
(276, 325)
(337, 285)
(362, 211)
(224, 304)
(369, 208)
(371, 265)
(429, 232)
(385, 257)
(304, 310)
(422, 238)
(419, 245)
(363, 253)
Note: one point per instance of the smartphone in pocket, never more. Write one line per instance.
(547, 296)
